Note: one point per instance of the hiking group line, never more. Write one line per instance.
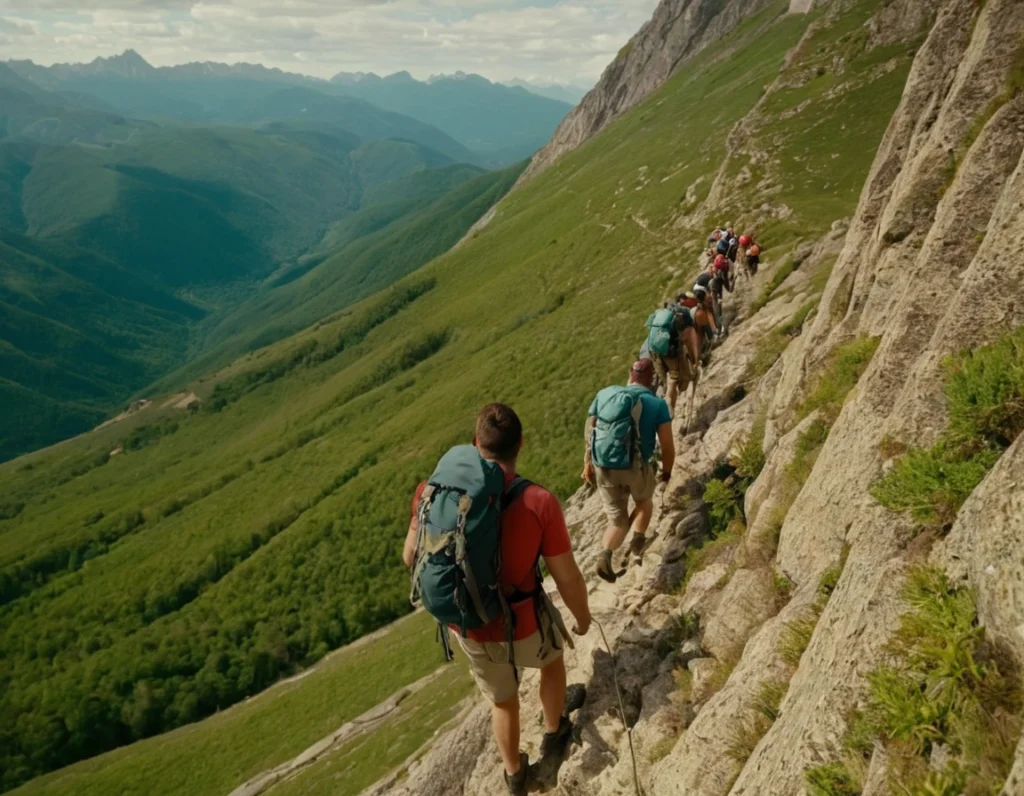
(479, 532)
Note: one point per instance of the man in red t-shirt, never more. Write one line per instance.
(533, 527)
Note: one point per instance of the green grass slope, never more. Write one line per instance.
(237, 744)
(224, 549)
(202, 213)
(362, 254)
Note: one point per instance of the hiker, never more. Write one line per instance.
(734, 248)
(510, 622)
(701, 307)
(753, 258)
(745, 241)
(623, 426)
(674, 347)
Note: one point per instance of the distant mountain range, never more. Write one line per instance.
(489, 124)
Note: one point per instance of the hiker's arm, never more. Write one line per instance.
(573, 588)
(668, 450)
(588, 465)
(409, 550)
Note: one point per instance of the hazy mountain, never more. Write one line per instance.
(28, 111)
(571, 94)
(503, 124)
(221, 94)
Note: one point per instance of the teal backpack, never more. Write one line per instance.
(458, 545)
(663, 338)
(615, 439)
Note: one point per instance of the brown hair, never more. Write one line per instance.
(499, 431)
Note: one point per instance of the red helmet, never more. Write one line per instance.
(745, 241)
(755, 250)
(721, 263)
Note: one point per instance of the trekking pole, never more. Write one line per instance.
(622, 710)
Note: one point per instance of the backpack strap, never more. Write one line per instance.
(472, 587)
(514, 490)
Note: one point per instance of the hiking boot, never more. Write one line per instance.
(637, 544)
(517, 782)
(604, 567)
(554, 743)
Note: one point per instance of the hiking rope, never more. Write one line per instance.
(622, 709)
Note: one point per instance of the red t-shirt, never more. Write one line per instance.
(533, 525)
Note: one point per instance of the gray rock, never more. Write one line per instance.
(689, 650)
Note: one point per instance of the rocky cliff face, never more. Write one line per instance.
(929, 266)
(678, 30)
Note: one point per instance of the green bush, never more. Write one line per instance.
(723, 505)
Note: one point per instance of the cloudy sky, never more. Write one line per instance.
(568, 41)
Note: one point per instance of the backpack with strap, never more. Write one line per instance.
(458, 544)
(615, 439)
(663, 339)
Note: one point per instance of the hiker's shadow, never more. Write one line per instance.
(620, 692)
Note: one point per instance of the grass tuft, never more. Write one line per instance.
(945, 687)
(831, 779)
(985, 397)
(795, 638)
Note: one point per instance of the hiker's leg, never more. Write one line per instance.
(642, 488)
(671, 380)
(691, 341)
(616, 506)
(552, 693)
(505, 721)
(615, 536)
(497, 681)
(642, 517)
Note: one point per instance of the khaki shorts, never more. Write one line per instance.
(618, 486)
(497, 679)
(666, 368)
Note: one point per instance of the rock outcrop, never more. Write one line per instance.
(678, 30)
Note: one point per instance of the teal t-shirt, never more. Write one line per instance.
(654, 414)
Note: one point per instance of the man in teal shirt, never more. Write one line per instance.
(634, 478)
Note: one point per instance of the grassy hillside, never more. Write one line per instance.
(359, 255)
(30, 112)
(195, 219)
(227, 548)
(237, 744)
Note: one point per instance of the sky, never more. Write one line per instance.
(560, 41)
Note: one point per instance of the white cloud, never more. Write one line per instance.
(555, 40)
